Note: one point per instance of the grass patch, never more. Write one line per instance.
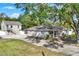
(17, 47)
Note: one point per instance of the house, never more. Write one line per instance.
(11, 26)
(14, 27)
(55, 31)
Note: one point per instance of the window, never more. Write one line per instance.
(51, 32)
(11, 26)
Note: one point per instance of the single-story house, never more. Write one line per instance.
(11, 29)
(11, 26)
(55, 31)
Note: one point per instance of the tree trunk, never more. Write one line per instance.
(76, 33)
(77, 38)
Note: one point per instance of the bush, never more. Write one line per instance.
(73, 36)
(46, 37)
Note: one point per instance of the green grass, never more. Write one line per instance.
(17, 47)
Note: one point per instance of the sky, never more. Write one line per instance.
(10, 10)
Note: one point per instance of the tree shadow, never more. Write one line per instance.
(68, 40)
(34, 39)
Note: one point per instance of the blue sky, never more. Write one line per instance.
(10, 10)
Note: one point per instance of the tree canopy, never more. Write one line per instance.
(35, 14)
(66, 15)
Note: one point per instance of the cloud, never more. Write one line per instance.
(8, 7)
(14, 15)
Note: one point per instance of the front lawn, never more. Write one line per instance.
(17, 47)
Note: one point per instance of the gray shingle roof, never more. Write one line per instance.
(45, 28)
(12, 23)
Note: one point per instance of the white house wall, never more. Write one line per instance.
(3, 26)
(17, 27)
(20, 27)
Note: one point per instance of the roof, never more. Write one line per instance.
(45, 28)
(12, 23)
(53, 27)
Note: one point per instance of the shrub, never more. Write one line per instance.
(46, 37)
(73, 36)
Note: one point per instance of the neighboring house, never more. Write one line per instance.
(11, 26)
(68, 31)
(55, 31)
